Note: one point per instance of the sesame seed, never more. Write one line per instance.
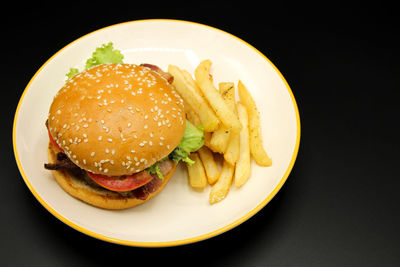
(92, 154)
(109, 140)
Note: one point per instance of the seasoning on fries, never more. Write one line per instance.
(232, 130)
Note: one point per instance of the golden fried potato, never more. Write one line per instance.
(256, 146)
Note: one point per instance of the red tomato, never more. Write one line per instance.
(54, 141)
(128, 183)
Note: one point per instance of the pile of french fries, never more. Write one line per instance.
(232, 130)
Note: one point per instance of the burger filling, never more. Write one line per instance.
(63, 163)
(138, 185)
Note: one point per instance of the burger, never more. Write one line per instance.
(116, 134)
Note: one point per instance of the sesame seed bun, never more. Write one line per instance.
(117, 119)
(97, 196)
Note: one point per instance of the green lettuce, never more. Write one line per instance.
(193, 140)
(104, 54)
(72, 72)
(155, 169)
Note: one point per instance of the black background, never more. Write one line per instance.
(340, 204)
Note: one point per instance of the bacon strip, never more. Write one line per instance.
(162, 73)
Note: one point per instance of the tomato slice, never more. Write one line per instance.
(53, 141)
(128, 183)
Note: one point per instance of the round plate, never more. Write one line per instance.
(179, 214)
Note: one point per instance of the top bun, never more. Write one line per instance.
(117, 119)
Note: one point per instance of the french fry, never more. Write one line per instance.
(227, 91)
(220, 138)
(197, 175)
(256, 146)
(207, 139)
(242, 168)
(210, 166)
(192, 116)
(231, 153)
(231, 129)
(191, 81)
(202, 78)
(221, 188)
(191, 96)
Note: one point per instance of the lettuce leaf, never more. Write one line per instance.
(193, 140)
(72, 72)
(104, 54)
(155, 169)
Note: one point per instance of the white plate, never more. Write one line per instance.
(178, 215)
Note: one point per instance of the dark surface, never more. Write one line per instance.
(339, 206)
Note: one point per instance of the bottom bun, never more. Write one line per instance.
(97, 196)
